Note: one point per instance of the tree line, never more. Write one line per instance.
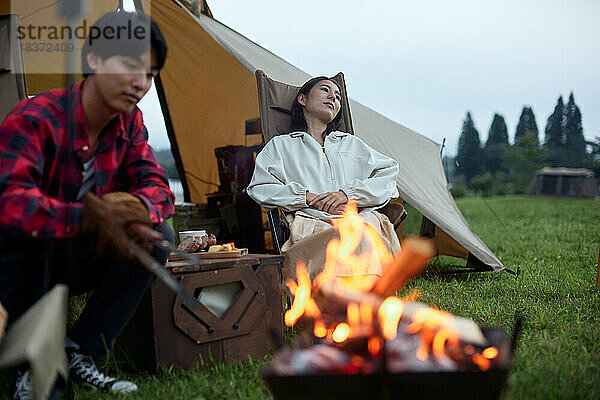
(497, 167)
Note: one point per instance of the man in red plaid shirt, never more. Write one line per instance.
(51, 170)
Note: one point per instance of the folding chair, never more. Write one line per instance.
(275, 101)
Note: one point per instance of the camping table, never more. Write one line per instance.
(165, 332)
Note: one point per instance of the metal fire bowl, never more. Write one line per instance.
(409, 385)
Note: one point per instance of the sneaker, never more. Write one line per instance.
(23, 387)
(84, 370)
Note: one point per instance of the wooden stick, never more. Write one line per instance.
(331, 295)
(411, 260)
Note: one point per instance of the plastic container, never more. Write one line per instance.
(184, 234)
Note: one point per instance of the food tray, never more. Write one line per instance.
(206, 255)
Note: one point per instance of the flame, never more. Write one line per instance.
(374, 345)
(349, 261)
(303, 302)
(353, 314)
(348, 275)
(389, 314)
(490, 353)
(482, 362)
(366, 313)
(341, 332)
(320, 330)
(436, 330)
(344, 265)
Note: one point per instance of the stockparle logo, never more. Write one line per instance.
(45, 38)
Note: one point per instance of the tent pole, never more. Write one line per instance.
(138, 6)
(172, 139)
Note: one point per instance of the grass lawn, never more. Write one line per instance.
(556, 243)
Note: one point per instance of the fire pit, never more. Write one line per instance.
(464, 384)
(370, 344)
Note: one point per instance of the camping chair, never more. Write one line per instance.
(275, 101)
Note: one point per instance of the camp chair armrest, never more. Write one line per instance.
(395, 212)
(279, 230)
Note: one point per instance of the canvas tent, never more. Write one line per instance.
(208, 90)
(570, 182)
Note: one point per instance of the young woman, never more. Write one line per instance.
(313, 171)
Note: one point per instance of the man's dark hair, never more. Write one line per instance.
(124, 34)
(297, 111)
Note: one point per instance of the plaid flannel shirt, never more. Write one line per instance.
(41, 168)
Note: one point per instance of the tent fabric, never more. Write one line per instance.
(570, 182)
(47, 64)
(209, 96)
(210, 90)
(12, 80)
(421, 183)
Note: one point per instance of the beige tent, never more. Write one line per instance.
(208, 90)
(570, 182)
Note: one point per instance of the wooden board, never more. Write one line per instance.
(206, 255)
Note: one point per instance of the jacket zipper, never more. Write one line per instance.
(328, 162)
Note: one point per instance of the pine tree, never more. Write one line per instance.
(525, 158)
(526, 125)
(494, 153)
(574, 140)
(469, 154)
(554, 141)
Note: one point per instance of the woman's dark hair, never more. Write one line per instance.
(124, 34)
(297, 110)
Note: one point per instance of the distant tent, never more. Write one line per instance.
(569, 182)
(208, 91)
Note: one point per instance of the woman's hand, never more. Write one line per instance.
(309, 197)
(330, 202)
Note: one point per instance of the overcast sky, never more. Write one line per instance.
(425, 63)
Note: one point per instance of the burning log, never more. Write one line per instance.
(406, 265)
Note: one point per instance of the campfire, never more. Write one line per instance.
(361, 329)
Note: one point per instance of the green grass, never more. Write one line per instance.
(555, 241)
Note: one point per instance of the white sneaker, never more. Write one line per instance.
(84, 370)
(23, 387)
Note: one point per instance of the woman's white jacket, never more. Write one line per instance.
(291, 164)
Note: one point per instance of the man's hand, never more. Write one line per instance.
(132, 210)
(331, 202)
(108, 221)
(3, 319)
